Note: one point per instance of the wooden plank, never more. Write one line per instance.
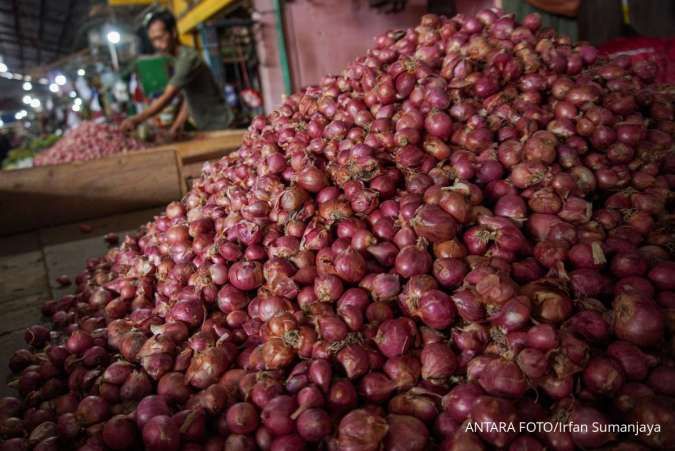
(23, 289)
(20, 313)
(19, 244)
(234, 133)
(22, 269)
(209, 145)
(52, 195)
(184, 186)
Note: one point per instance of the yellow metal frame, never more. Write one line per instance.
(188, 19)
(179, 7)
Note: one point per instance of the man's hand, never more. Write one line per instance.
(129, 124)
(175, 133)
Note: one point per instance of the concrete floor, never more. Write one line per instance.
(31, 262)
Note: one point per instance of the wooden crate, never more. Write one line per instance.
(47, 196)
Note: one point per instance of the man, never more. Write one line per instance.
(203, 99)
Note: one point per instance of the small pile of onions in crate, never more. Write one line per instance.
(88, 141)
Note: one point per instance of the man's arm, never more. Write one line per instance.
(180, 119)
(568, 8)
(155, 107)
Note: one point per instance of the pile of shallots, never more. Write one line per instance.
(464, 241)
(88, 141)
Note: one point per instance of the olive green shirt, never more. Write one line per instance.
(205, 101)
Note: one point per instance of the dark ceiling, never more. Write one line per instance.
(37, 32)
(34, 34)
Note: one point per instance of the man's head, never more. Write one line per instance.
(161, 28)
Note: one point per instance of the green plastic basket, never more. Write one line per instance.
(153, 73)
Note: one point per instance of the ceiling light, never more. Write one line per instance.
(3, 67)
(54, 88)
(27, 86)
(76, 108)
(114, 37)
(81, 72)
(72, 94)
(26, 99)
(35, 103)
(60, 80)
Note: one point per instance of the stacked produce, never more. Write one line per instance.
(23, 156)
(469, 225)
(17, 158)
(88, 141)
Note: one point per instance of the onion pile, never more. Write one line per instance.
(88, 141)
(471, 224)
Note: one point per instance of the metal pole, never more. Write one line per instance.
(113, 55)
(281, 39)
(209, 42)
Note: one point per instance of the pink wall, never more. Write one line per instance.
(268, 55)
(323, 36)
